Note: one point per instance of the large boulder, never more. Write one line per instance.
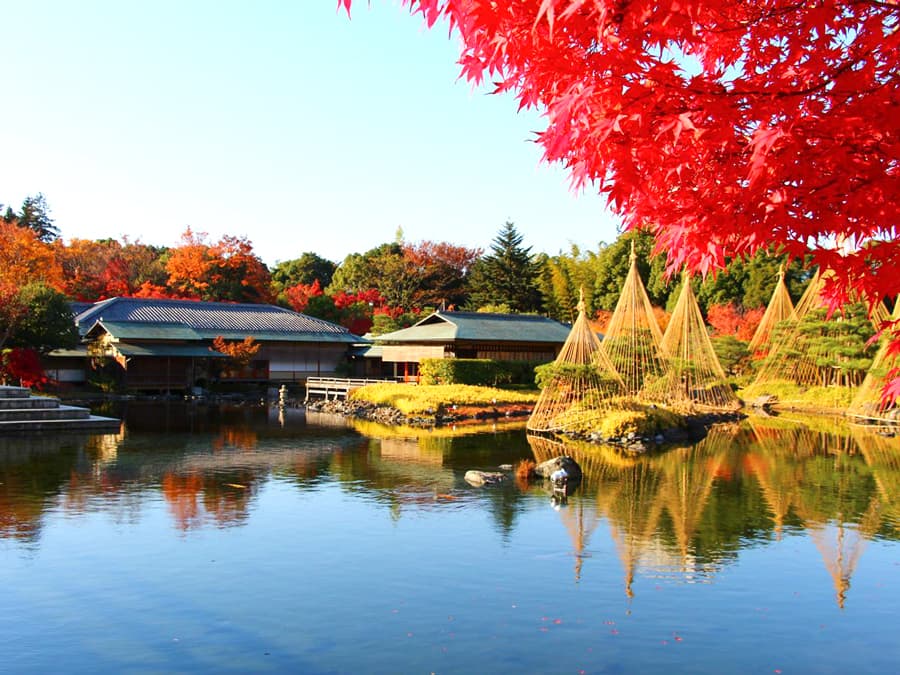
(562, 463)
(474, 477)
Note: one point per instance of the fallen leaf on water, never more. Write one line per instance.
(236, 485)
(446, 497)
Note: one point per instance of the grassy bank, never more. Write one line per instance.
(791, 395)
(432, 399)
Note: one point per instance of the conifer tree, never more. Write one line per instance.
(507, 275)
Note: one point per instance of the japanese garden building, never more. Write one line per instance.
(166, 345)
(471, 335)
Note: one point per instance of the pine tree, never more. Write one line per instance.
(35, 215)
(508, 275)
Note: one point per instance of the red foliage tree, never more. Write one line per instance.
(298, 295)
(722, 126)
(22, 366)
(96, 270)
(441, 269)
(732, 320)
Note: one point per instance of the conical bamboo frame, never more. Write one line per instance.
(633, 340)
(791, 358)
(580, 392)
(780, 308)
(868, 402)
(695, 378)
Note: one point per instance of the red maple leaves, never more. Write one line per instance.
(723, 127)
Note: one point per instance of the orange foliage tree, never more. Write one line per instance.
(225, 271)
(732, 320)
(25, 259)
(241, 353)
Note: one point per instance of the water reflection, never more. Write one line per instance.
(690, 511)
(684, 514)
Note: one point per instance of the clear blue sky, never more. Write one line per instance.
(284, 122)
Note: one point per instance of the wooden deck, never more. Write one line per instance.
(336, 387)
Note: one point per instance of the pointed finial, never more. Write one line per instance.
(581, 306)
(633, 257)
(781, 272)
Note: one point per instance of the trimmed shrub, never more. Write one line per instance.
(478, 372)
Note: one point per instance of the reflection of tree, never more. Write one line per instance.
(195, 498)
(634, 515)
(688, 480)
(819, 476)
(579, 522)
(33, 474)
(241, 437)
(882, 455)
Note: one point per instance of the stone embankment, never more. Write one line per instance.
(389, 415)
(695, 429)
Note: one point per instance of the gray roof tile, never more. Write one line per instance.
(214, 318)
(450, 326)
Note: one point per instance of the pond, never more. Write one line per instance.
(209, 539)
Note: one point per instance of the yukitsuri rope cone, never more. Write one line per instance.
(868, 402)
(582, 385)
(788, 358)
(633, 340)
(818, 351)
(695, 379)
(780, 308)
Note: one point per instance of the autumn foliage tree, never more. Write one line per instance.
(24, 258)
(227, 270)
(96, 270)
(241, 353)
(723, 126)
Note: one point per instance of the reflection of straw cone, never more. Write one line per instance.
(882, 454)
(840, 554)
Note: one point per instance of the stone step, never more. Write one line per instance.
(63, 412)
(92, 423)
(33, 402)
(14, 392)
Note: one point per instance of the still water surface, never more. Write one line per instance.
(215, 540)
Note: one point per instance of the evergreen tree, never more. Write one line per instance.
(507, 275)
(35, 215)
(614, 261)
(306, 269)
(47, 321)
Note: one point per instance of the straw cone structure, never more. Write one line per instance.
(787, 338)
(583, 383)
(695, 378)
(633, 340)
(812, 353)
(780, 308)
(868, 402)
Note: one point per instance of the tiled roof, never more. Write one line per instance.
(209, 319)
(477, 326)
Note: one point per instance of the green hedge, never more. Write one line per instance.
(484, 372)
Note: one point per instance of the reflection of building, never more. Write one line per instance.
(157, 344)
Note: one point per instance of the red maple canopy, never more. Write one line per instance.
(721, 126)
